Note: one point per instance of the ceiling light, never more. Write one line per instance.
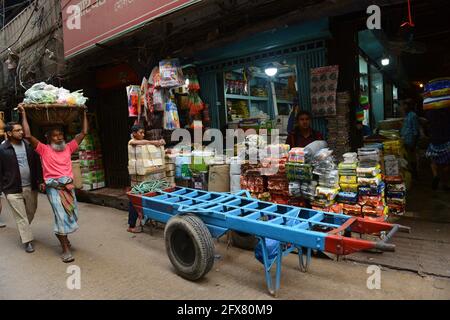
(385, 61)
(271, 70)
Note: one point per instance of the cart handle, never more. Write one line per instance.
(383, 245)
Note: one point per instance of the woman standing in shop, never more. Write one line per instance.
(439, 148)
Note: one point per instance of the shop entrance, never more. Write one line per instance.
(114, 135)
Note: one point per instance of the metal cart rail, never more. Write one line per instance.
(194, 217)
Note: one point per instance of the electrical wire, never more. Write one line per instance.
(23, 30)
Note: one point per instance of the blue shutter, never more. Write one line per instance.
(305, 62)
(208, 92)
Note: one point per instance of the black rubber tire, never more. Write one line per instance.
(189, 246)
(243, 240)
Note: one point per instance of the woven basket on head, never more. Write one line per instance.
(52, 114)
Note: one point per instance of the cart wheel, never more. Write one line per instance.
(243, 240)
(189, 246)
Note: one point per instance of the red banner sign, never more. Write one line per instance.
(87, 22)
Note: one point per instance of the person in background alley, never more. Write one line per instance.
(303, 134)
(439, 148)
(137, 139)
(58, 177)
(2, 225)
(20, 176)
(410, 133)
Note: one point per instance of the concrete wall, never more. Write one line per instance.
(33, 31)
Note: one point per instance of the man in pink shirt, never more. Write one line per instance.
(58, 177)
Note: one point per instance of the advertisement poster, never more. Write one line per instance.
(324, 82)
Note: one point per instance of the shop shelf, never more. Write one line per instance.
(285, 101)
(242, 97)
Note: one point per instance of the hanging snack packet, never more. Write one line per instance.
(171, 120)
(133, 94)
(170, 73)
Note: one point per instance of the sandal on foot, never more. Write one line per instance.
(67, 257)
(135, 230)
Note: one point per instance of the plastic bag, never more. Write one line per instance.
(63, 95)
(171, 120)
(273, 246)
(133, 100)
(158, 100)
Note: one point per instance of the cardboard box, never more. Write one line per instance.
(90, 155)
(200, 180)
(219, 178)
(77, 178)
(136, 168)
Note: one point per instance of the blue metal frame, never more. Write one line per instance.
(291, 226)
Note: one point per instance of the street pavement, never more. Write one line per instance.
(115, 264)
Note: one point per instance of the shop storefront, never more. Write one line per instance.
(378, 90)
(252, 86)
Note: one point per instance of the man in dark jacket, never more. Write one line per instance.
(303, 134)
(20, 174)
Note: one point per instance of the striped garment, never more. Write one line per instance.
(439, 153)
(64, 204)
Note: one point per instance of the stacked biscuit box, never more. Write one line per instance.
(395, 186)
(347, 198)
(146, 163)
(91, 163)
(170, 170)
(274, 169)
(371, 188)
(327, 177)
(298, 172)
(339, 126)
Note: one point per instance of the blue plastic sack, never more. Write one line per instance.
(272, 248)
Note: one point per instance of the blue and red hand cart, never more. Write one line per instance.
(194, 217)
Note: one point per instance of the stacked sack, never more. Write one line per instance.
(146, 163)
(339, 126)
(327, 177)
(370, 184)
(348, 182)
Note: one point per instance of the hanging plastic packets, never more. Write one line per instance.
(171, 120)
(133, 94)
(158, 99)
(171, 74)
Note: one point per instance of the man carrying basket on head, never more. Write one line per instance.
(58, 177)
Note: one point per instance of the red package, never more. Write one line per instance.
(351, 209)
(373, 201)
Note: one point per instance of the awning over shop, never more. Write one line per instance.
(99, 21)
(267, 40)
